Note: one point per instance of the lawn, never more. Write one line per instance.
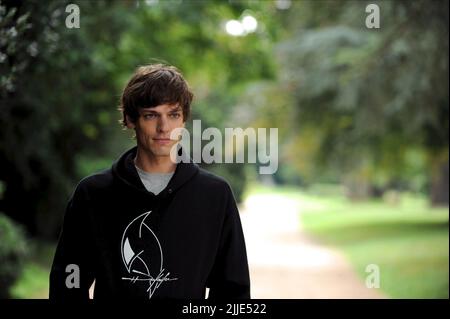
(408, 240)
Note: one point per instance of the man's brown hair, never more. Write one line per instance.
(152, 85)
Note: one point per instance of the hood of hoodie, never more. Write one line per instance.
(125, 172)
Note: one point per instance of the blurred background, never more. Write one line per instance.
(359, 205)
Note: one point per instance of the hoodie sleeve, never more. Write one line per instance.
(229, 277)
(72, 272)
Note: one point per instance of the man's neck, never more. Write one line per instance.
(154, 164)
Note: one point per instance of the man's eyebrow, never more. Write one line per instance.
(148, 111)
(176, 109)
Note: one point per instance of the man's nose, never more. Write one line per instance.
(163, 124)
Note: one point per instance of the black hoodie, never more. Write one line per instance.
(137, 245)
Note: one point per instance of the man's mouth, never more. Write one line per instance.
(162, 141)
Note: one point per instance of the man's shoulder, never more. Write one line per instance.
(101, 180)
(212, 181)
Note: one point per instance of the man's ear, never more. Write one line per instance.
(130, 123)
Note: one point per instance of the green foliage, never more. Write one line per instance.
(351, 104)
(13, 249)
(53, 106)
(34, 281)
(370, 97)
(32, 284)
(60, 87)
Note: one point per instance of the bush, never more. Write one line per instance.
(12, 253)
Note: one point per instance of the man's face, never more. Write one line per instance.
(153, 128)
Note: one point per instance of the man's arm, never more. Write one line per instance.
(72, 273)
(230, 277)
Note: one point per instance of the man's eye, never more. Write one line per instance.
(149, 116)
(175, 115)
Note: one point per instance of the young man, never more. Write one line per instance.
(148, 227)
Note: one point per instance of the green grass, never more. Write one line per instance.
(409, 241)
(33, 282)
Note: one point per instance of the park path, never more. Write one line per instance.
(285, 263)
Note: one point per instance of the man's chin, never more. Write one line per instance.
(163, 150)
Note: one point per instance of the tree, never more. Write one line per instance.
(53, 107)
(60, 88)
(373, 97)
